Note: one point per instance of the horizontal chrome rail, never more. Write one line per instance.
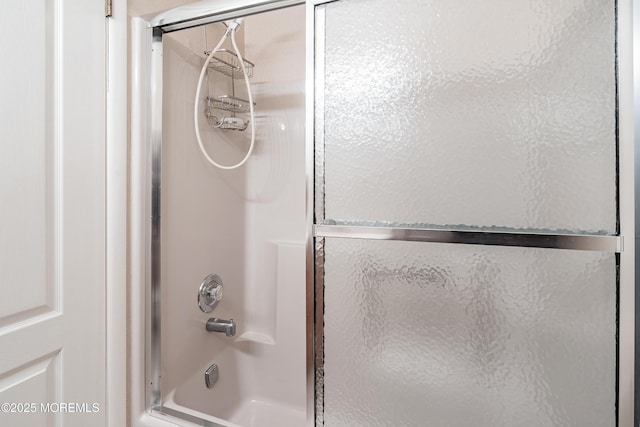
(162, 410)
(209, 11)
(600, 243)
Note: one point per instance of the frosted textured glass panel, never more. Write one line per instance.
(420, 334)
(490, 113)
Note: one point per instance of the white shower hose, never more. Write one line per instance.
(232, 26)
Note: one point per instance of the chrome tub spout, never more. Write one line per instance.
(220, 325)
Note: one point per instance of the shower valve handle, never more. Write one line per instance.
(210, 293)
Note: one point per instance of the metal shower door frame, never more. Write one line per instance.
(625, 244)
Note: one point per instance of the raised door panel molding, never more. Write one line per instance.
(52, 208)
(27, 162)
(38, 380)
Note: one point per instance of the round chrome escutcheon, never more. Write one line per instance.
(210, 293)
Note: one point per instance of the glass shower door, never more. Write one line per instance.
(466, 216)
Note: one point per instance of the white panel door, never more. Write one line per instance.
(52, 213)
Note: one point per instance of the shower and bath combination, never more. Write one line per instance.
(350, 308)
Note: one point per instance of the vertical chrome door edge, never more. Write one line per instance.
(628, 38)
(318, 50)
(319, 332)
(628, 84)
(310, 209)
(154, 327)
(315, 132)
